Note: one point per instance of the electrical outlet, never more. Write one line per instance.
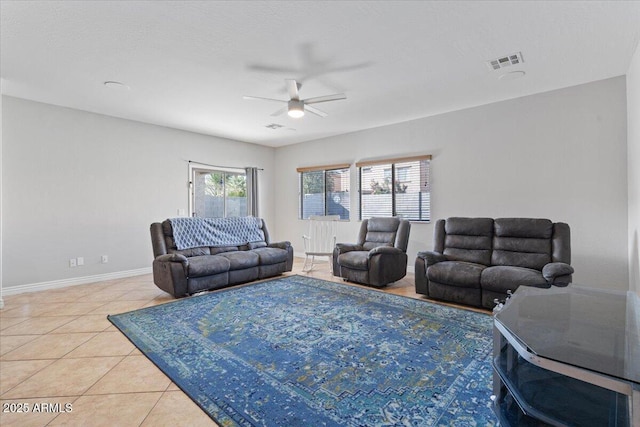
(105, 259)
(72, 262)
(80, 260)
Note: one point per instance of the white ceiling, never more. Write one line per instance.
(188, 63)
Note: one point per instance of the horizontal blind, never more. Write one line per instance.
(396, 188)
(391, 161)
(323, 168)
(325, 192)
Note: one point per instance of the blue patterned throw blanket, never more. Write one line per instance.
(233, 231)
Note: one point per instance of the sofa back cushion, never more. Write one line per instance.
(522, 242)
(468, 239)
(380, 232)
(202, 250)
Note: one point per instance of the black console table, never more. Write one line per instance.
(567, 357)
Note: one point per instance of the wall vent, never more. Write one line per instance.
(505, 61)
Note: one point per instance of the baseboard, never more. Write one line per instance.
(63, 283)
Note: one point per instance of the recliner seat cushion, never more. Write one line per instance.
(503, 278)
(207, 265)
(357, 260)
(268, 256)
(456, 273)
(241, 259)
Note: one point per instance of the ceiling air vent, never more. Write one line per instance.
(505, 61)
(274, 126)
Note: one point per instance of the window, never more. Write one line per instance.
(218, 193)
(324, 190)
(396, 187)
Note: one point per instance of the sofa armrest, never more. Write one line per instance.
(554, 270)
(431, 257)
(342, 248)
(170, 274)
(280, 245)
(285, 246)
(384, 250)
(173, 258)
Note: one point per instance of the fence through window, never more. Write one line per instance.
(324, 191)
(396, 188)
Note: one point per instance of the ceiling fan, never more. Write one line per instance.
(295, 106)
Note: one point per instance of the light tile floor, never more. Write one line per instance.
(63, 363)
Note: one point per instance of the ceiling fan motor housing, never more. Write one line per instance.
(295, 108)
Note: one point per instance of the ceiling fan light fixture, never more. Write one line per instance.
(295, 109)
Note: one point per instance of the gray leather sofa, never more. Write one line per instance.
(476, 260)
(379, 255)
(188, 271)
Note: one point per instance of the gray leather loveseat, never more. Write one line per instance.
(186, 271)
(476, 260)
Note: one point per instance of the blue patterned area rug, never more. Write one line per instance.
(298, 351)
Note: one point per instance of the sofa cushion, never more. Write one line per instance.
(203, 250)
(241, 259)
(468, 239)
(206, 265)
(222, 249)
(522, 242)
(268, 256)
(456, 273)
(357, 260)
(503, 278)
(523, 227)
(381, 232)
(469, 226)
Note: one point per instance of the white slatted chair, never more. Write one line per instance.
(320, 240)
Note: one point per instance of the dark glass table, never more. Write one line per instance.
(567, 357)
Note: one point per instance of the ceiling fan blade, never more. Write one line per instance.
(292, 88)
(252, 98)
(326, 98)
(315, 111)
(279, 112)
(271, 69)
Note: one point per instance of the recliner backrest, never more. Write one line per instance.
(465, 239)
(384, 231)
(522, 242)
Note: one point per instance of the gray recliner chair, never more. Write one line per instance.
(379, 256)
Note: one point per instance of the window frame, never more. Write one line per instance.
(362, 165)
(199, 168)
(324, 169)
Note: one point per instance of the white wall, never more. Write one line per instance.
(558, 155)
(633, 141)
(81, 184)
(77, 184)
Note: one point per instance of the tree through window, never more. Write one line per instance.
(218, 193)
